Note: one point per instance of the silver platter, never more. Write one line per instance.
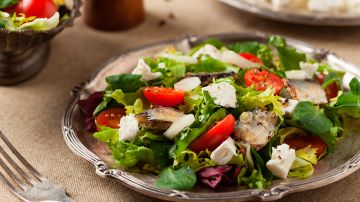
(293, 16)
(332, 168)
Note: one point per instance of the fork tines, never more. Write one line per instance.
(19, 180)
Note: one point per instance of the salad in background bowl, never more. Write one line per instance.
(26, 27)
(240, 114)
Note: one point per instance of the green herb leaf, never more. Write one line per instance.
(181, 179)
(289, 57)
(7, 3)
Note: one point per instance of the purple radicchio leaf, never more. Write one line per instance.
(88, 107)
(214, 176)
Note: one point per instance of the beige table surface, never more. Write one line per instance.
(31, 113)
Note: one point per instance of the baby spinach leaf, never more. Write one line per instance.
(181, 179)
(289, 57)
(333, 76)
(348, 103)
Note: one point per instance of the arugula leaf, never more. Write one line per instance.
(262, 51)
(191, 133)
(128, 83)
(7, 3)
(313, 119)
(289, 58)
(181, 179)
(128, 155)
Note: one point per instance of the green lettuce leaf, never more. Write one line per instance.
(106, 134)
(7, 3)
(256, 180)
(333, 76)
(289, 58)
(308, 154)
(208, 64)
(301, 169)
(128, 83)
(181, 179)
(190, 159)
(171, 71)
(128, 155)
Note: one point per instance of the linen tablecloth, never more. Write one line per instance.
(31, 112)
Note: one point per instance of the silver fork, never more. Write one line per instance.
(34, 187)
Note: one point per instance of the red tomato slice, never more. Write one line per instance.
(110, 117)
(215, 136)
(251, 57)
(299, 142)
(331, 90)
(166, 97)
(262, 79)
(37, 8)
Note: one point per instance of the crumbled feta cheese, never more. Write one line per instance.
(326, 5)
(143, 69)
(187, 84)
(309, 68)
(209, 50)
(295, 74)
(180, 58)
(162, 65)
(233, 58)
(288, 105)
(178, 125)
(129, 127)
(224, 152)
(223, 93)
(281, 160)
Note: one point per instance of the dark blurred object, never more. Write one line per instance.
(114, 15)
(25, 52)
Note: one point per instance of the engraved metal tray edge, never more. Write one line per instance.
(128, 180)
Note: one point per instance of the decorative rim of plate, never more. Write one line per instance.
(130, 181)
(320, 20)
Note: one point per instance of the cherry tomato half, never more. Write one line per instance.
(299, 142)
(251, 58)
(110, 117)
(215, 136)
(262, 79)
(37, 8)
(166, 97)
(331, 90)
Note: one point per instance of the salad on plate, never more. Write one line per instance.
(37, 15)
(241, 114)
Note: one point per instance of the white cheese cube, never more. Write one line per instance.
(129, 128)
(209, 50)
(223, 93)
(288, 105)
(187, 84)
(309, 68)
(178, 125)
(281, 160)
(224, 152)
(145, 71)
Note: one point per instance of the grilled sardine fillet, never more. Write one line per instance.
(306, 90)
(256, 127)
(159, 118)
(207, 78)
